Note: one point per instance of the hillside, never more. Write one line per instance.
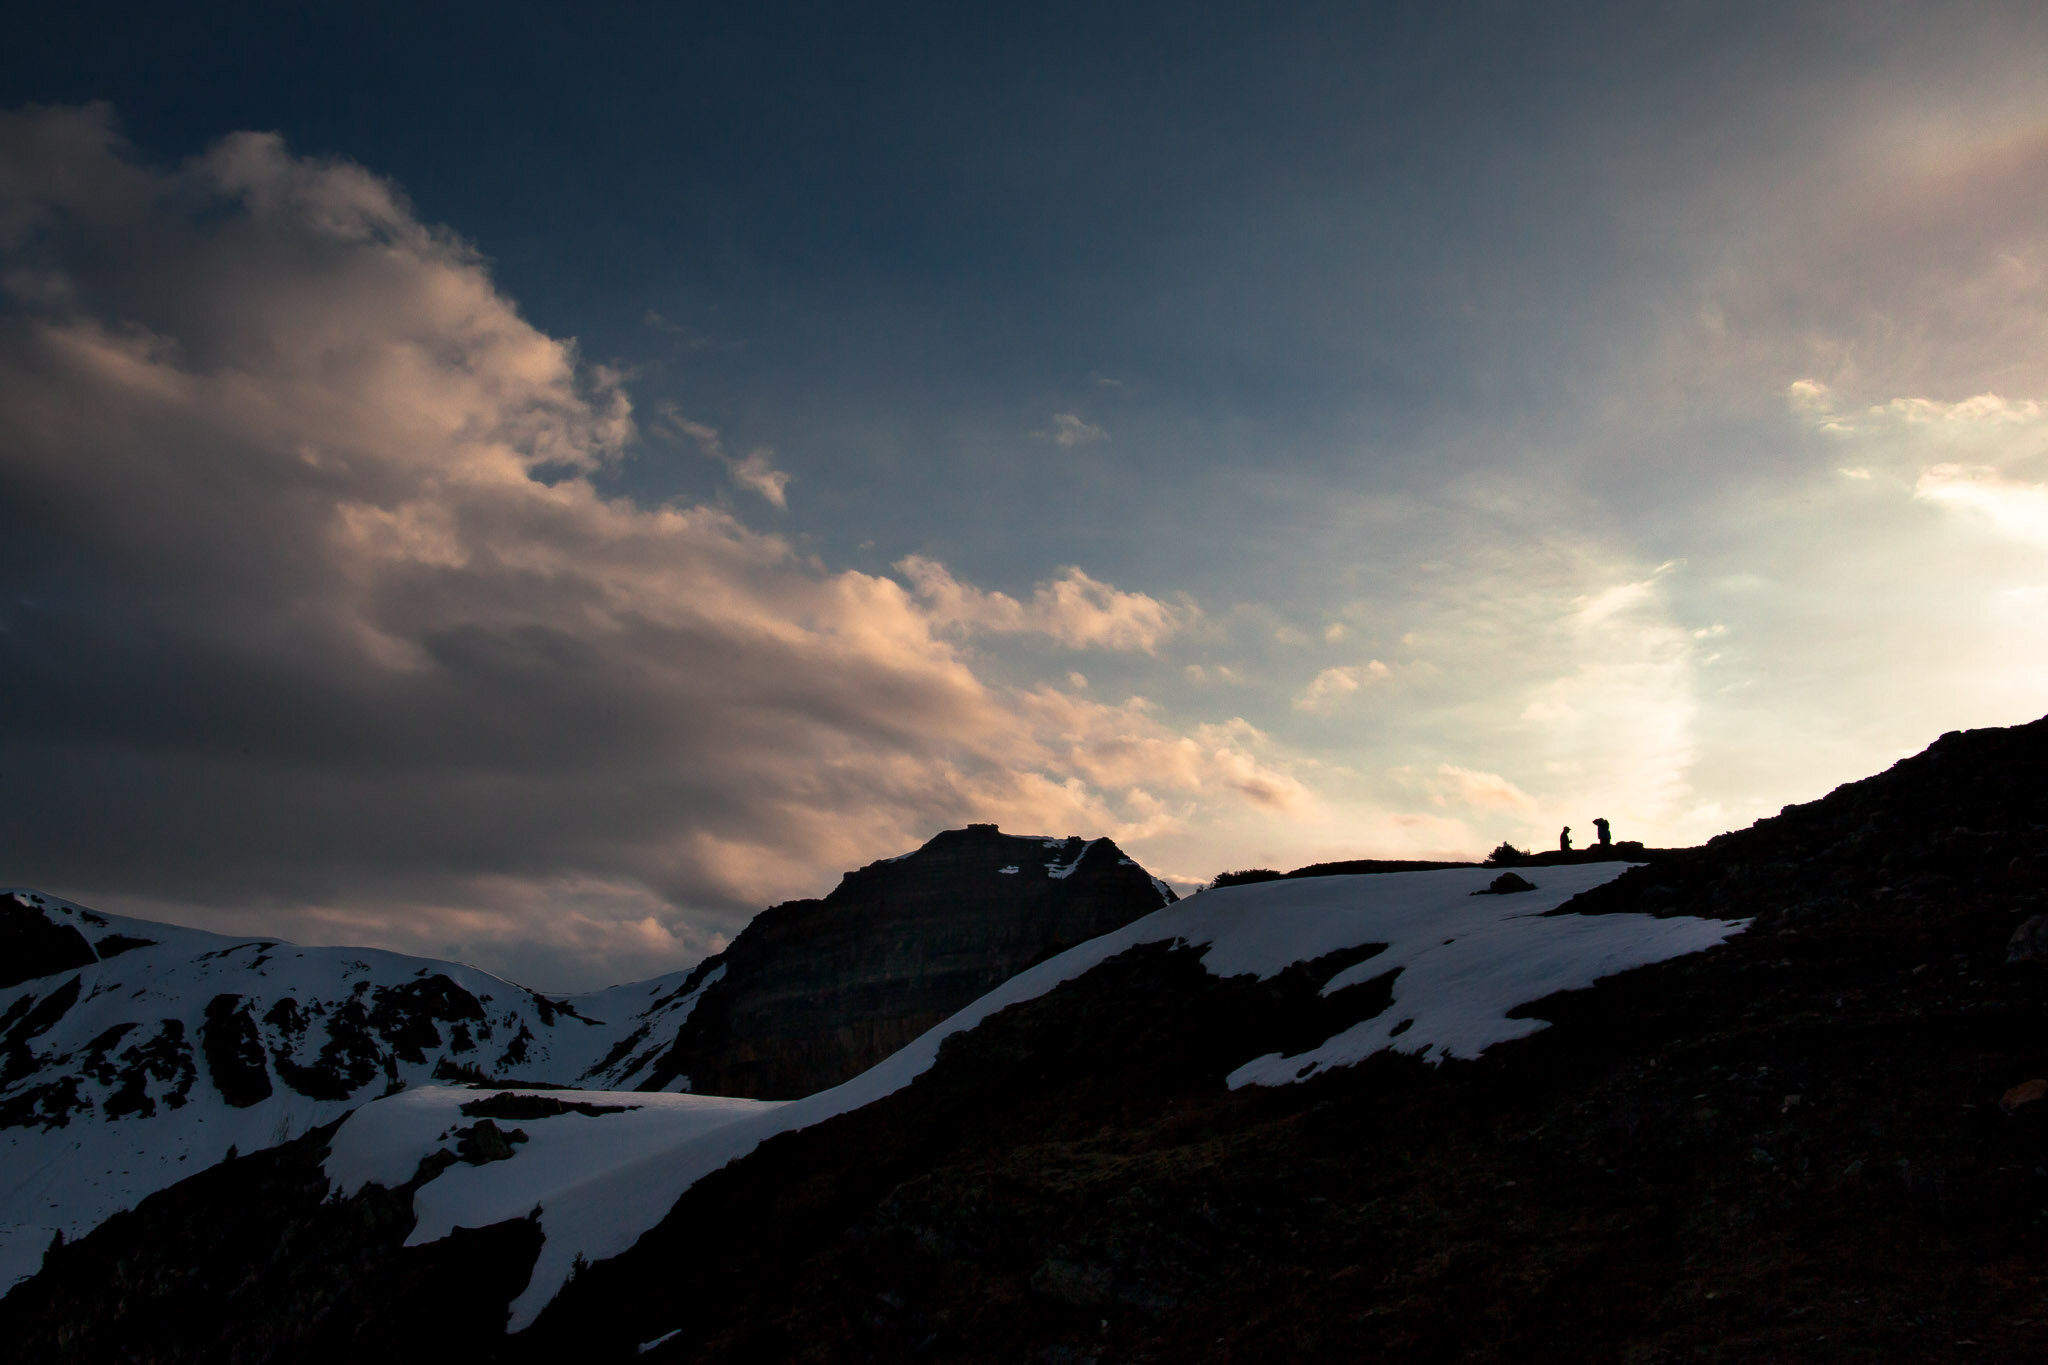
(152, 1051)
(1809, 1139)
(1815, 1141)
(134, 1054)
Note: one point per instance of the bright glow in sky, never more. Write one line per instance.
(615, 476)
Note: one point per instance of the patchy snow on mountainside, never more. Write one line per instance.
(652, 1010)
(544, 1145)
(1060, 871)
(1464, 961)
(156, 1049)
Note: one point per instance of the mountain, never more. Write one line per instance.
(1821, 1139)
(1783, 1096)
(814, 992)
(1288, 979)
(133, 1054)
(138, 1053)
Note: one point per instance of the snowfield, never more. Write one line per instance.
(561, 1153)
(1464, 961)
(123, 1076)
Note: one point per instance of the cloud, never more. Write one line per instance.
(686, 338)
(318, 625)
(1333, 685)
(1958, 455)
(1070, 430)
(1620, 726)
(1487, 791)
(2016, 510)
(1985, 417)
(1074, 609)
(754, 472)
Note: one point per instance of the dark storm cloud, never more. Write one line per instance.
(310, 603)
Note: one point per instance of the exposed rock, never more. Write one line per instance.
(234, 1052)
(513, 1106)
(817, 991)
(2026, 1092)
(1085, 1285)
(32, 946)
(2030, 941)
(1506, 884)
(484, 1141)
(26, 1019)
(166, 1058)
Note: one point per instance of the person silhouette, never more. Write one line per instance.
(1606, 837)
(1564, 840)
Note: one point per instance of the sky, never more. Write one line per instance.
(536, 484)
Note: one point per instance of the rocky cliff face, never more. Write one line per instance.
(814, 992)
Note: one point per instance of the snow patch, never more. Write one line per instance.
(1061, 871)
(383, 1143)
(1451, 1000)
(1464, 961)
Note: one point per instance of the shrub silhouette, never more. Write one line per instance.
(1249, 874)
(1506, 853)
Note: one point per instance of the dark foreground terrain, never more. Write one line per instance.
(1811, 1143)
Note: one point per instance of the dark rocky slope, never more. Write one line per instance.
(817, 991)
(33, 945)
(1810, 1143)
(1805, 1144)
(244, 1262)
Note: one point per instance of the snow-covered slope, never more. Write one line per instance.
(1464, 962)
(134, 1054)
(155, 1049)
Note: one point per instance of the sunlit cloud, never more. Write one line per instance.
(1334, 685)
(1486, 791)
(353, 643)
(1073, 609)
(2016, 510)
(1070, 430)
(1987, 419)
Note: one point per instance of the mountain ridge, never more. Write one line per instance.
(893, 947)
(134, 1053)
(1814, 1139)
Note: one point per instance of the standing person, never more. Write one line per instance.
(1606, 838)
(1564, 840)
